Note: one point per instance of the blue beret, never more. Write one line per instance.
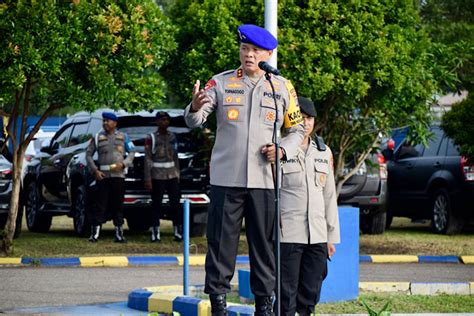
(258, 36)
(307, 106)
(109, 116)
(161, 114)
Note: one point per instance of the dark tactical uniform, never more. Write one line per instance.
(111, 150)
(241, 177)
(162, 168)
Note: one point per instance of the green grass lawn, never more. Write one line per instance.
(399, 303)
(403, 238)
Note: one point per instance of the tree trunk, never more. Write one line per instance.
(15, 198)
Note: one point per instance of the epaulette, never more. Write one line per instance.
(225, 73)
(320, 143)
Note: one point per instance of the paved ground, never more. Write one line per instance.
(43, 286)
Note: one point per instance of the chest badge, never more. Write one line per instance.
(322, 179)
(270, 116)
(233, 114)
(228, 99)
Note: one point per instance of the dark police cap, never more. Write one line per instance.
(307, 106)
(258, 36)
(110, 116)
(162, 114)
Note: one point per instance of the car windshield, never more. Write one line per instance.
(138, 134)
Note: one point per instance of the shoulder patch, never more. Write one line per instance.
(211, 83)
(293, 115)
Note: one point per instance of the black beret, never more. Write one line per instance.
(162, 114)
(307, 106)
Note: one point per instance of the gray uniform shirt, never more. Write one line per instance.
(245, 113)
(111, 150)
(161, 157)
(309, 213)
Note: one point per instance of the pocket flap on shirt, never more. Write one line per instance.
(291, 167)
(321, 167)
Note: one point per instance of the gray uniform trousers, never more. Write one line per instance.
(227, 209)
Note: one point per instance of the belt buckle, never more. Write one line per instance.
(113, 167)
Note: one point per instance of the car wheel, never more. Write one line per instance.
(36, 222)
(389, 219)
(81, 222)
(198, 230)
(373, 223)
(443, 220)
(138, 223)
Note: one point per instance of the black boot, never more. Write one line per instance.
(218, 304)
(178, 233)
(155, 234)
(95, 230)
(119, 234)
(263, 306)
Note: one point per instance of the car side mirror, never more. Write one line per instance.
(388, 152)
(46, 147)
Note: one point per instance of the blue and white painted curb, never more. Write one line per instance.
(123, 261)
(167, 299)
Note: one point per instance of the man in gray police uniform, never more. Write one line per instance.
(241, 173)
(111, 146)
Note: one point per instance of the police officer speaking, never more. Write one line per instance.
(111, 146)
(309, 219)
(162, 172)
(241, 174)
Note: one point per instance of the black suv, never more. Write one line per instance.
(432, 182)
(367, 190)
(59, 182)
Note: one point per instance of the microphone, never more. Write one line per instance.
(268, 69)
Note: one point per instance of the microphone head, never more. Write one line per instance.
(267, 68)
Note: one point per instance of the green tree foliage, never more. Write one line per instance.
(364, 63)
(450, 25)
(458, 125)
(207, 40)
(80, 54)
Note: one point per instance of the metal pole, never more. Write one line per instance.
(271, 24)
(276, 179)
(186, 247)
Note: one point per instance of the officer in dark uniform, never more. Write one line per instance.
(162, 173)
(309, 219)
(111, 146)
(241, 174)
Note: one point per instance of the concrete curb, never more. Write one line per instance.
(168, 299)
(124, 261)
